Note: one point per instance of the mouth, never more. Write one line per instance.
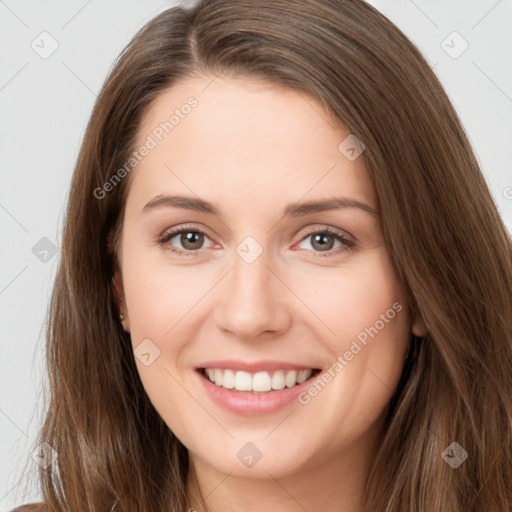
(258, 383)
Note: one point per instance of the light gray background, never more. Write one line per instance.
(45, 104)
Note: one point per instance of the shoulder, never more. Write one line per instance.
(31, 507)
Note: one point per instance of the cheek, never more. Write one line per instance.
(159, 295)
(362, 321)
(368, 330)
(349, 300)
(159, 298)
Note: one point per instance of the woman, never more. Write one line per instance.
(284, 284)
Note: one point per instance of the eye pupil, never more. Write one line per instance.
(321, 239)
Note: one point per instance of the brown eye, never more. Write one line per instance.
(322, 241)
(191, 240)
(184, 241)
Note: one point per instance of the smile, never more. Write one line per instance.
(258, 382)
(258, 389)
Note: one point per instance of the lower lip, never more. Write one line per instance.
(247, 403)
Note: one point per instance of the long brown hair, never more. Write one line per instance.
(444, 235)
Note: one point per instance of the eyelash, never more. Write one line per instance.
(167, 236)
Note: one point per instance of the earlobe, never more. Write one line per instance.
(419, 327)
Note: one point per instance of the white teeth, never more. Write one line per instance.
(260, 382)
(243, 381)
(291, 378)
(302, 376)
(228, 380)
(278, 380)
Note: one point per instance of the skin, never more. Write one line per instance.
(251, 149)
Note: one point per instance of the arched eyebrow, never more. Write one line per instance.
(185, 202)
(294, 210)
(300, 209)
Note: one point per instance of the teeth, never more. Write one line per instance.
(243, 381)
(278, 380)
(291, 378)
(228, 379)
(303, 376)
(260, 382)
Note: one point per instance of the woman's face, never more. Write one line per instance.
(269, 266)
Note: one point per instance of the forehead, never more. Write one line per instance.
(223, 138)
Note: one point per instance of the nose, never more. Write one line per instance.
(252, 304)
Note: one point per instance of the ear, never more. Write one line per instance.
(117, 286)
(119, 297)
(118, 290)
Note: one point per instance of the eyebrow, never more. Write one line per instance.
(294, 210)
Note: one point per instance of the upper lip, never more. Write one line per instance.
(253, 366)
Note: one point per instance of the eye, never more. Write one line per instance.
(323, 240)
(190, 239)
